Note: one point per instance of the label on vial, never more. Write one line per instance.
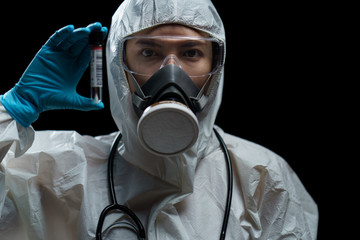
(96, 67)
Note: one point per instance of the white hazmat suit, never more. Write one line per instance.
(53, 184)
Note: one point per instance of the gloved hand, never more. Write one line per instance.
(51, 79)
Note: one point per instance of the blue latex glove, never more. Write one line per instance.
(51, 79)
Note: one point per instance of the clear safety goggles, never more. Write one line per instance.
(197, 56)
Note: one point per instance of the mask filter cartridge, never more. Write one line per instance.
(168, 128)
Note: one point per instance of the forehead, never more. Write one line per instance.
(172, 30)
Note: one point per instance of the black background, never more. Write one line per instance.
(274, 93)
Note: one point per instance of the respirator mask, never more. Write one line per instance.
(169, 76)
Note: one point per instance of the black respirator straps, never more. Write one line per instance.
(139, 100)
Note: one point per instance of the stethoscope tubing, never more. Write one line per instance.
(230, 185)
(114, 204)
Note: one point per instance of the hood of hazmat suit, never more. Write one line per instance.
(130, 18)
(53, 184)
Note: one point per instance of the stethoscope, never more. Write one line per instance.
(139, 229)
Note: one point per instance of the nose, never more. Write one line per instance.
(171, 59)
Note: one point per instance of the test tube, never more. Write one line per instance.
(96, 68)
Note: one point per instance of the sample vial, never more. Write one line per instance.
(96, 65)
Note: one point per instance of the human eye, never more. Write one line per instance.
(193, 53)
(147, 52)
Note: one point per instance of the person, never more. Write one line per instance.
(54, 183)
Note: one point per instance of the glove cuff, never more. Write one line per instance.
(20, 109)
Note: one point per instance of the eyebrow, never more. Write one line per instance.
(193, 44)
(147, 42)
(153, 43)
